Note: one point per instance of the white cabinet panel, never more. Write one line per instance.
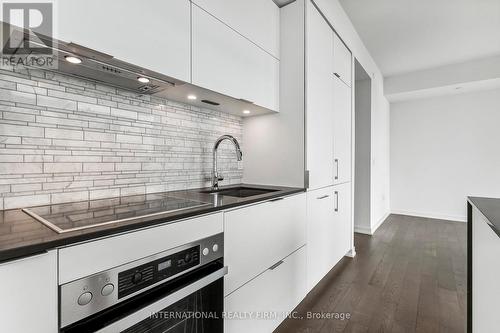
(320, 234)
(342, 129)
(257, 20)
(342, 65)
(153, 34)
(328, 229)
(485, 272)
(29, 301)
(226, 62)
(257, 236)
(342, 220)
(88, 258)
(319, 104)
(276, 291)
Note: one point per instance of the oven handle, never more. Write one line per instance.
(165, 302)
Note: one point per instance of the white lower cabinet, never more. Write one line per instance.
(29, 294)
(328, 229)
(263, 303)
(257, 236)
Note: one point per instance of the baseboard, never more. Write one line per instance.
(351, 253)
(363, 230)
(453, 218)
(371, 231)
(379, 222)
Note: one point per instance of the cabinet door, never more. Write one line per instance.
(276, 291)
(228, 63)
(342, 221)
(29, 294)
(321, 234)
(319, 100)
(342, 61)
(256, 237)
(154, 34)
(242, 15)
(342, 129)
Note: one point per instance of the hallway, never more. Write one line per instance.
(408, 277)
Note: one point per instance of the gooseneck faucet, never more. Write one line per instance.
(215, 174)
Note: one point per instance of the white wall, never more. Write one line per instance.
(362, 190)
(380, 110)
(442, 150)
(275, 153)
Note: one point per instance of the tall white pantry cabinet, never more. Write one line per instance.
(328, 103)
(310, 142)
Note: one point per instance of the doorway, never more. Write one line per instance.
(362, 187)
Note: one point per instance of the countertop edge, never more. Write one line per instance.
(481, 210)
(20, 252)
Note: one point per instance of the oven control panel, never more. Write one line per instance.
(89, 295)
(137, 278)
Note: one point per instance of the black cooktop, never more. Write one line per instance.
(87, 214)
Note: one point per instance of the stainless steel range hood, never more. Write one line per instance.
(106, 69)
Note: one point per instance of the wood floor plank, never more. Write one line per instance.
(408, 277)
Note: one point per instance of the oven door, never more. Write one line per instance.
(191, 304)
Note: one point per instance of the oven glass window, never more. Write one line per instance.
(200, 312)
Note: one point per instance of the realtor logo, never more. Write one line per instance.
(25, 30)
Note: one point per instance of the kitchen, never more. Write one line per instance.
(190, 166)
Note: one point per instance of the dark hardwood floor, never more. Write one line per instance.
(408, 277)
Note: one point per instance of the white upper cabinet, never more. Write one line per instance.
(153, 34)
(226, 62)
(342, 61)
(342, 129)
(257, 20)
(319, 100)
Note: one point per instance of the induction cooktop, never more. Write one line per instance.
(70, 217)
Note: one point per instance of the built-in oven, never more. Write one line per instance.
(179, 290)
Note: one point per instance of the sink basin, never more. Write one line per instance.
(240, 192)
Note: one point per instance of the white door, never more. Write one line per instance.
(321, 234)
(242, 15)
(319, 99)
(342, 221)
(342, 64)
(154, 34)
(342, 130)
(226, 62)
(29, 301)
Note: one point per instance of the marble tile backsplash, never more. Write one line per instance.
(65, 139)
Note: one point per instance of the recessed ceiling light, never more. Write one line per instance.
(192, 97)
(143, 79)
(246, 111)
(73, 60)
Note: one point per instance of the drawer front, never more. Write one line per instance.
(85, 259)
(258, 236)
(274, 292)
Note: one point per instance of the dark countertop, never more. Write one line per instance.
(490, 208)
(21, 235)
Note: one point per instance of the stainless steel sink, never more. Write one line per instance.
(240, 192)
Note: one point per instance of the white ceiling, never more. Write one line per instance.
(408, 35)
